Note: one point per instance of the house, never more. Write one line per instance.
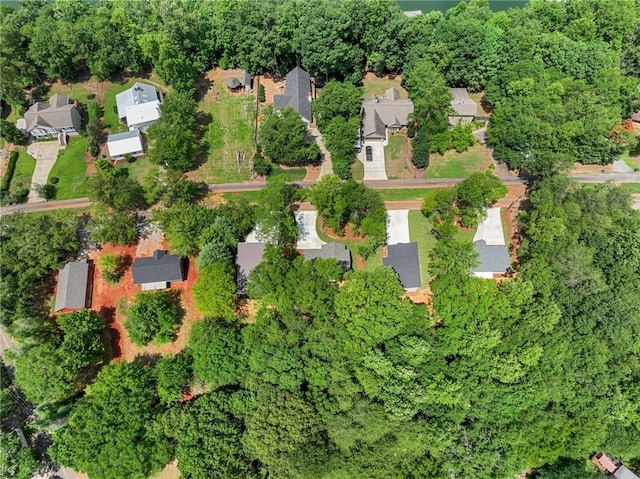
(494, 259)
(604, 463)
(123, 144)
(336, 251)
(297, 94)
(247, 81)
(47, 120)
(382, 114)
(139, 106)
(74, 291)
(464, 107)
(249, 256)
(623, 473)
(403, 258)
(157, 271)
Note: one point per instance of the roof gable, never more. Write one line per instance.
(462, 102)
(124, 143)
(157, 268)
(297, 91)
(138, 94)
(58, 113)
(493, 258)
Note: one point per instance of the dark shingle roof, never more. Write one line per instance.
(330, 250)
(72, 286)
(233, 83)
(157, 268)
(249, 256)
(403, 258)
(298, 87)
(493, 258)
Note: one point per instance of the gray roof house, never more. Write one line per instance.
(297, 94)
(464, 107)
(494, 259)
(403, 258)
(157, 271)
(139, 106)
(73, 287)
(45, 120)
(336, 251)
(386, 113)
(249, 256)
(127, 143)
(623, 473)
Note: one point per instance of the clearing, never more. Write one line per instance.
(374, 84)
(459, 165)
(230, 131)
(70, 169)
(397, 158)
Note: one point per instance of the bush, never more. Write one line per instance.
(420, 150)
(261, 94)
(261, 166)
(154, 317)
(116, 228)
(91, 96)
(11, 169)
(112, 267)
(54, 180)
(46, 191)
(10, 133)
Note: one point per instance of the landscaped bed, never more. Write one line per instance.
(459, 165)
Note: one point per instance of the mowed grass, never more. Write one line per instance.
(138, 169)
(25, 167)
(379, 85)
(632, 162)
(459, 165)
(404, 194)
(420, 232)
(633, 188)
(110, 118)
(250, 196)
(291, 174)
(230, 132)
(71, 169)
(396, 156)
(357, 170)
(75, 91)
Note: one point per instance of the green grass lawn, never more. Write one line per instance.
(632, 162)
(110, 118)
(250, 196)
(633, 188)
(357, 170)
(380, 85)
(25, 167)
(458, 165)
(420, 232)
(138, 169)
(292, 174)
(75, 91)
(230, 132)
(396, 155)
(403, 194)
(71, 169)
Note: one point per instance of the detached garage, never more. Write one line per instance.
(123, 144)
(73, 291)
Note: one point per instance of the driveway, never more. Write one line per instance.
(373, 170)
(307, 234)
(398, 227)
(45, 154)
(490, 229)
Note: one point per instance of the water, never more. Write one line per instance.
(443, 5)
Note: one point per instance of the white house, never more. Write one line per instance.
(139, 106)
(123, 144)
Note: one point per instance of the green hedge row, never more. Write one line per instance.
(11, 169)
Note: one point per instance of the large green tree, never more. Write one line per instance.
(283, 137)
(153, 316)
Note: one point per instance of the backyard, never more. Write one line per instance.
(459, 165)
(229, 132)
(70, 169)
(378, 85)
(396, 158)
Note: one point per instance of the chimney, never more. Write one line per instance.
(157, 254)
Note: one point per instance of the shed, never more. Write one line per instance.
(247, 81)
(336, 251)
(73, 287)
(403, 258)
(233, 83)
(249, 256)
(157, 271)
(624, 473)
(127, 143)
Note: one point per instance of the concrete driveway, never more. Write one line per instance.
(373, 170)
(490, 229)
(307, 234)
(45, 153)
(398, 227)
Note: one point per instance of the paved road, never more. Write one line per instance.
(376, 184)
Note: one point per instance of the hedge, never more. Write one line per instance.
(11, 169)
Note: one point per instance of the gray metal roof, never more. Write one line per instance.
(298, 88)
(246, 79)
(331, 250)
(233, 83)
(380, 113)
(157, 268)
(249, 256)
(493, 259)
(136, 95)
(57, 113)
(462, 103)
(403, 258)
(624, 473)
(123, 136)
(72, 286)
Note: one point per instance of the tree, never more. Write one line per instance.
(112, 267)
(122, 400)
(153, 316)
(337, 99)
(10, 133)
(261, 94)
(94, 129)
(213, 253)
(431, 98)
(172, 139)
(215, 289)
(283, 138)
(183, 224)
(275, 216)
(173, 375)
(420, 150)
(117, 227)
(114, 188)
(16, 462)
(475, 193)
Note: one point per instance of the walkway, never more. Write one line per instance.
(326, 168)
(45, 154)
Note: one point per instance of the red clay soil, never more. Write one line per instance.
(313, 173)
(421, 296)
(106, 299)
(348, 233)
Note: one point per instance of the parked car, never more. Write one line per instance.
(369, 153)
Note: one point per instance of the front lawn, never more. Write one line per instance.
(357, 170)
(138, 169)
(229, 132)
(633, 188)
(25, 167)
(70, 169)
(291, 174)
(396, 158)
(420, 232)
(378, 85)
(404, 194)
(459, 165)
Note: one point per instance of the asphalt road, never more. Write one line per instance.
(376, 184)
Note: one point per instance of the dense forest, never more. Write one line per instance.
(341, 376)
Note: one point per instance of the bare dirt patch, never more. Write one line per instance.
(348, 233)
(421, 296)
(313, 173)
(580, 169)
(273, 85)
(170, 471)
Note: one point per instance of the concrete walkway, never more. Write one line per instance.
(326, 168)
(45, 154)
(490, 230)
(398, 227)
(307, 234)
(373, 170)
(619, 166)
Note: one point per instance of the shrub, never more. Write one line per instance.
(11, 169)
(46, 191)
(261, 94)
(54, 180)
(261, 166)
(112, 267)
(91, 96)
(154, 316)
(10, 133)
(420, 150)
